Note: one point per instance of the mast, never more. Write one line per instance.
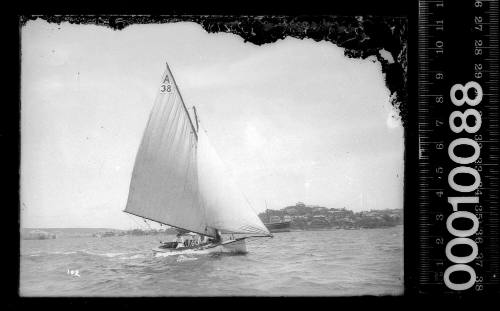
(183, 104)
(196, 118)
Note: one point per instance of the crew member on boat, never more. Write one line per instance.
(191, 239)
(218, 237)
(203, 239)
(197, 240)
(179, 240)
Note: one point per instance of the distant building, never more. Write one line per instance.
(340, 214)
(291, 210)
(319, 221)
(274, 219)
(303, 216)
(319, 209)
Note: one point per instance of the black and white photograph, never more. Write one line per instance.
(212, 156)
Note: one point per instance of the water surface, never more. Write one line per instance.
(302, 263)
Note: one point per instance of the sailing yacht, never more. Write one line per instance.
(179, 180)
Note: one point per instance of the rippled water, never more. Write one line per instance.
(337, 262)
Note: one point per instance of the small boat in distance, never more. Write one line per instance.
(275, 223)
(179, 180)
(279, 226)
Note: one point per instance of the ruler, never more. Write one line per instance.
(458, 163)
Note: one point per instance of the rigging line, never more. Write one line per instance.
(182, 101)
(197, 119)
(188, 167)
(248, 201)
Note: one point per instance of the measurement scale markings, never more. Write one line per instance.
(429, 89)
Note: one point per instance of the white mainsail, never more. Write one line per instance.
(179, 180)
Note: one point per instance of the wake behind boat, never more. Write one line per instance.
(179, 180)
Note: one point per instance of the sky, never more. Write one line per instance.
(293, 120)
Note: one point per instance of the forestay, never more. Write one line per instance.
(226, 207)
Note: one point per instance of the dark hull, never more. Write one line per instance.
(283, 226)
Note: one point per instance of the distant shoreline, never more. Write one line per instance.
(314, 217)
(103, 233)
